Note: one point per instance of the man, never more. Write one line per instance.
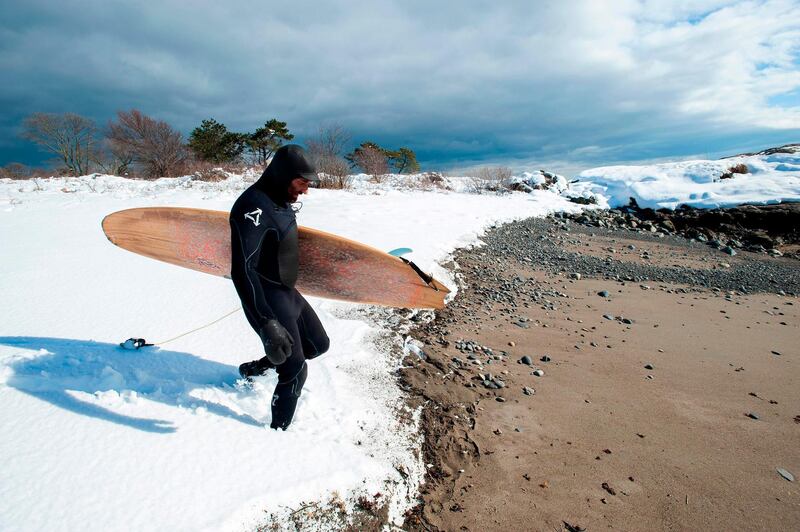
(264, 267)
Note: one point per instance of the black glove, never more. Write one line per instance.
(277, 342)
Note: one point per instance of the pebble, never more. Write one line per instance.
(627, 321)
(785, 474)
(528, 391)
(575, 276)
(500, 399)
(608, 316)
(538, 373)
(545, 358)
(648, 366)
(752, 415)
(603, 293)
(526, 360)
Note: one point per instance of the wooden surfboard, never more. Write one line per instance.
(331, 266)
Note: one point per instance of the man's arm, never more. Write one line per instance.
(246, 249)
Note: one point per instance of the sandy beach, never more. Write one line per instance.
(641, 405)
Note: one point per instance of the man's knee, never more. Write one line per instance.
(314, 347)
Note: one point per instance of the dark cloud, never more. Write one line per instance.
(520, 83)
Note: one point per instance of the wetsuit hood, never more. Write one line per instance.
(289, 162)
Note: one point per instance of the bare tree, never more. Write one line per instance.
(152, 144)
(69, 136)
(372, 160)
(112, 158)
(331, 141)
(326, 151)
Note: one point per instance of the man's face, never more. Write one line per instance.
(299, 185)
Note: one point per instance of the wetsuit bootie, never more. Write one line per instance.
(255, 368)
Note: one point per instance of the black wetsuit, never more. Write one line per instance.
(264, 267)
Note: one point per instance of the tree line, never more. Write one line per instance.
(134, 144)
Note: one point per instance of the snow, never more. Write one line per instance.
(100, 438)
(771, 179)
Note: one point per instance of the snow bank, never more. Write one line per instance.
(771, 178)
(98, 438)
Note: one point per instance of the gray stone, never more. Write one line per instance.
(785, 474)
(526, 360)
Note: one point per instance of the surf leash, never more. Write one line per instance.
(136, 343)
(399, 252)
(425, 277)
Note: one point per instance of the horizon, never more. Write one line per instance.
(523, 85)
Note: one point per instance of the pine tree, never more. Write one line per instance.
(404, 161)
(266, 140)
(213, 142)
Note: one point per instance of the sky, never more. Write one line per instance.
(525, 84)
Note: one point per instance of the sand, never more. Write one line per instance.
(605, 443)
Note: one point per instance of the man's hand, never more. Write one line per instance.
(277, 342)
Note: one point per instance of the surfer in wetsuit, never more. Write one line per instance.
(264, 267)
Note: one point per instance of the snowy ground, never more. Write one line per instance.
(771, 179)
(99, 438)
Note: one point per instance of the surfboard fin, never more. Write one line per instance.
(399, 252)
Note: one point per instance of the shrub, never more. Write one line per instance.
(740, 168)
(334, 172)
(19, 171)
(491, 179)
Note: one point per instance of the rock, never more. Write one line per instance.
(500, 399)
(538, 373)
(545, 358)
(608, 316)
(627, 321)
(608, 488)
(526, 360)
(785, 474)
(752, 415)
(528, 391)
(575, 276)
(729, 250)
(603, 293)
(511, 344)
(648, 366)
